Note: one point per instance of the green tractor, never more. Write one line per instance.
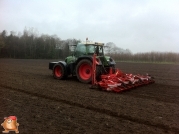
(80, 62)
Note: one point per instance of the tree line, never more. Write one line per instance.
(120, 54)
(30, 45)
(156, 57)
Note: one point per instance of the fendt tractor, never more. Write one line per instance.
(80, 62)
(90, 65)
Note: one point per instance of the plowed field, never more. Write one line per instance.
(45, 105)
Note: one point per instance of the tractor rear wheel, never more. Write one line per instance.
(59, 71)
(84, 71)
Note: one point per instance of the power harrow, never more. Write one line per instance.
(118, 81)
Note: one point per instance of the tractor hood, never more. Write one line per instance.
(70, 59)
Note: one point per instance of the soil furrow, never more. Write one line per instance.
(102, 111)
(29, 91)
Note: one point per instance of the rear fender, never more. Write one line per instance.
(90, 58)
(84, 57)
(110, 61)
(51, 64)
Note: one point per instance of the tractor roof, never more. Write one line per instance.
(92, 43)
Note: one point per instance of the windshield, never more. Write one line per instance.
(91, 49)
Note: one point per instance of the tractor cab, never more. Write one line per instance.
(89, 48)
(85, 50)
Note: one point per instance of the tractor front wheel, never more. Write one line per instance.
(84, 71)
(59, 71)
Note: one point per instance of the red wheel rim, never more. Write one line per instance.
(58, 71)
(85, 71)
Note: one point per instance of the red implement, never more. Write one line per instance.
(119, 81)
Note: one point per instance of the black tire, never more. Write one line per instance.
(84, 71)
(59, 71)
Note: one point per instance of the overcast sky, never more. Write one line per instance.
(138, 25)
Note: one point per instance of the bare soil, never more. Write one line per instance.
(45, 105)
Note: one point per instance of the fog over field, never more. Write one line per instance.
(140, 25)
